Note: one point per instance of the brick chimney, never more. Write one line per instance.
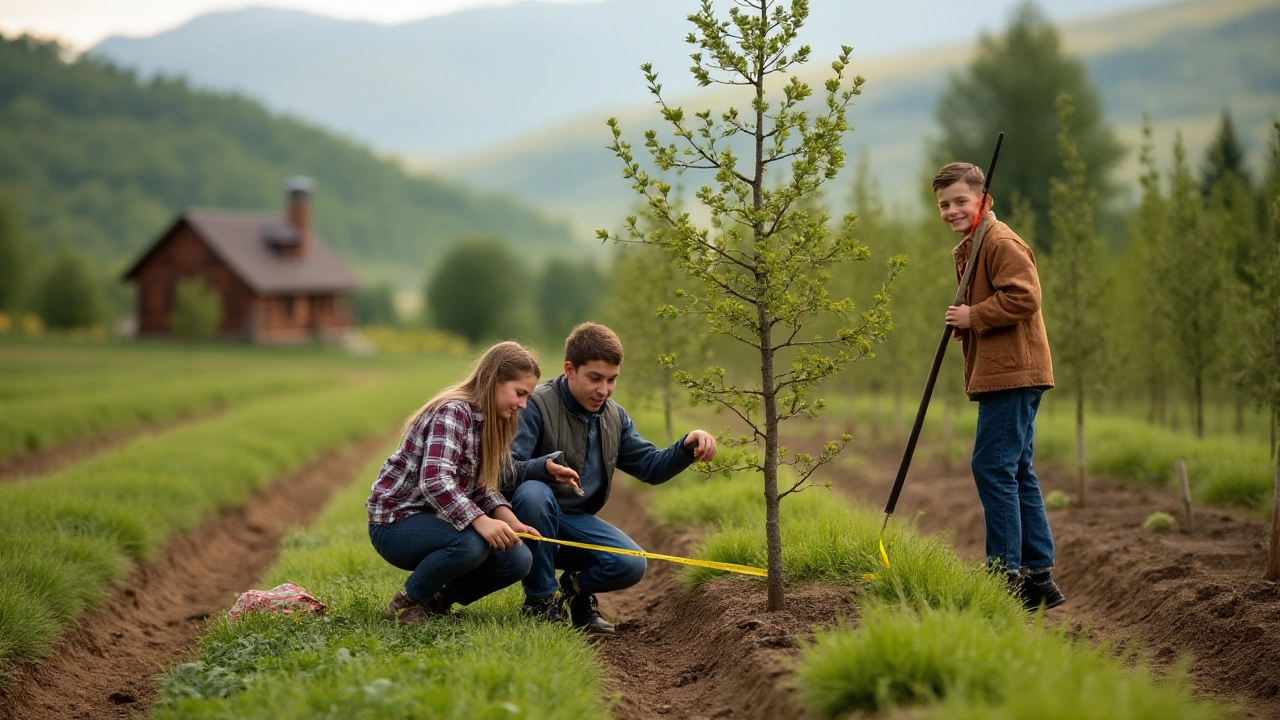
(298, 210)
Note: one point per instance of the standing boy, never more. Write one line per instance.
(571, 438)
(1006, 368)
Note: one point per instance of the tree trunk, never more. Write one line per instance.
(772, 515)
(1240, 414)
(946, 435)
(1273, 547)
(875, 418)
(899, 424)
(1199, 405)
(1080, 474)
(1275, 420)
(666, 406)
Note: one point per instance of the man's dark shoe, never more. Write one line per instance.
(583, 609)
(404, 609)
(549, 608)
(1038, 588)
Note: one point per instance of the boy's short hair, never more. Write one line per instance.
(955, 172)
(591, 341)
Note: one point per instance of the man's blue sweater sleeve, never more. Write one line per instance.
(528, 431)
(642, 460)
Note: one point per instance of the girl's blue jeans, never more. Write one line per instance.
(1018, 533)
(439, 557)
(534, 503)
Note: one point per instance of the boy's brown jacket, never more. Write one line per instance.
(1007, 347)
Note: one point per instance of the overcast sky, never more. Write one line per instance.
(81, 23)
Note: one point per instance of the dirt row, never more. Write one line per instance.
(106, 666)
(710, 653)
(44, 462)
(715, 652)
(1196, 595)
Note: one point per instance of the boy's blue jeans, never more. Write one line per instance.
(535, 505)
(1017, 527)
(442, 558)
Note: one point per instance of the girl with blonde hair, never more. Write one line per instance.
(435, 509)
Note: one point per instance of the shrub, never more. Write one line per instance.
(1158, 522)
(1057, 500)
(197, 310)
(70, 295)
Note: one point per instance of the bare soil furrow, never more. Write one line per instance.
(710, 653)
(106, 666)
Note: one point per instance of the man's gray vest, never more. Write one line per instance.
(567, 431)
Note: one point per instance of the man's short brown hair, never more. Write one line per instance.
(590, 341)
(955, 172)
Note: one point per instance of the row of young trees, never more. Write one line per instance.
(762, 303)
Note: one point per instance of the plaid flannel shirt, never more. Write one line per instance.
(434, 470)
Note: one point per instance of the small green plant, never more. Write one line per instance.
(1158, 522)
(1057, 500)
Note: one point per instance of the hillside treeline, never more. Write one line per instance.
(98, 161)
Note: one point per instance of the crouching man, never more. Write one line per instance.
(571, 438)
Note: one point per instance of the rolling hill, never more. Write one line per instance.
(100, 161)
(472, 79)
(1181, 64)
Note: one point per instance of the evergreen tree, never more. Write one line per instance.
(1261, 371)
(764, 266)
(1194, 281)
(1224, 157)
(1012, 85)
(1074, 282)
(1143, 350)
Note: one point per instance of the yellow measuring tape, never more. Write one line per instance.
(727, 567)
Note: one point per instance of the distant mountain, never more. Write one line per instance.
(101, 162)
(1182, 64)
(461, 82)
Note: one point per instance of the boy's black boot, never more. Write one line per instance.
(583, 610)
(549, 608)
(1038, 588)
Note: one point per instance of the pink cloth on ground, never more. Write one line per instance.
(286, 599)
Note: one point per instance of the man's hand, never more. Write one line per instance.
(703, 444)
(563, 474)
(958, 317)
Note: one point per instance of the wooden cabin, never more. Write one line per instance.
(278, 281)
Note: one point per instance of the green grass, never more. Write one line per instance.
(824, 539)
(485, 662)
(933, 631)
(1222, 469)
(65, 537)
(56, 393)
(962, 664)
